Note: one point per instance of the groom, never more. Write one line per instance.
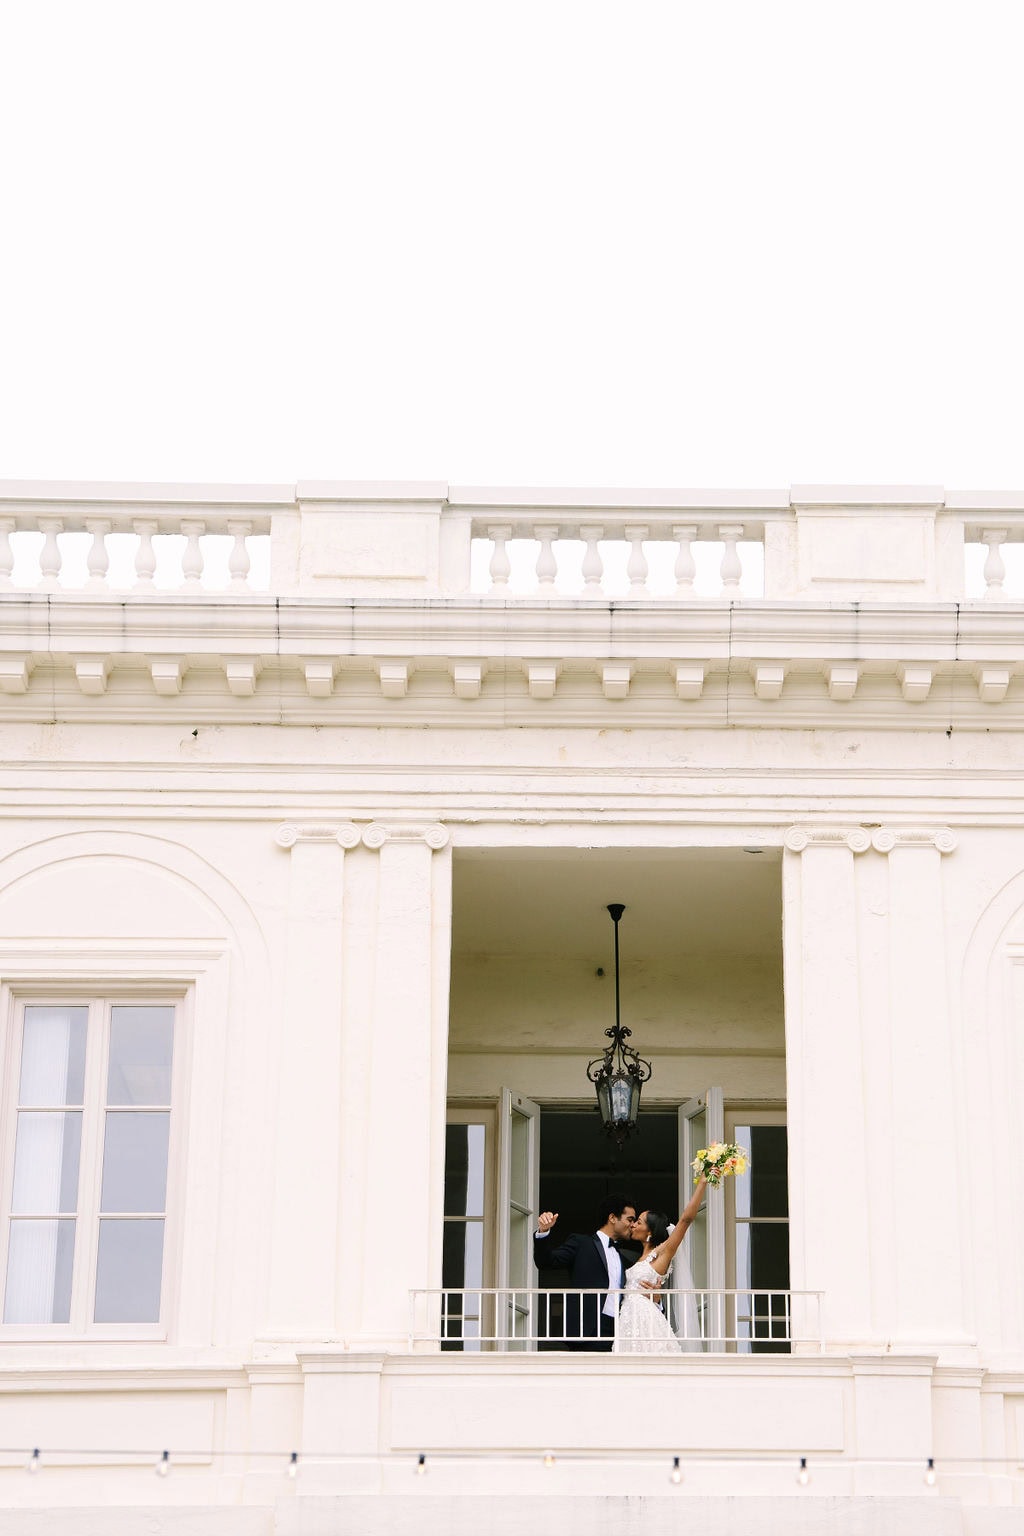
(593, 1262)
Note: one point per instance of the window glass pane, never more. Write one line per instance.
(767, 1178)
(46, 1157)
(462, 1264)
(769, 1255)
(456, 1169)
(39, 1264)
(139, 1066)
(743, 1280)
(53, 1056)
(128, 1272)
(464, 1170)
(742, 1185)
(135, 1161)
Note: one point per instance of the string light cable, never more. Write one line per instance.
(37, 1458)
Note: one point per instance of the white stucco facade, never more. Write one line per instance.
(358, 831)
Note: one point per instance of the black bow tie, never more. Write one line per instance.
(615, 1246)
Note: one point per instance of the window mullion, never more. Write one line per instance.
(87, 1234)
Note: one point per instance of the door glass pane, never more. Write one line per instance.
(53, 1056)
(139, 1066)
(519, 1183)
(39, 1264)
(696, 1247)
(46, 1158)
(128, 1272)
(135, 1161)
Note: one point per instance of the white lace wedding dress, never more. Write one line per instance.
(641, 1326)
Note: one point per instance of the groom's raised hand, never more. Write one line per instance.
(546, 1221)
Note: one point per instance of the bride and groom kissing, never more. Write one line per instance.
(598, 1321)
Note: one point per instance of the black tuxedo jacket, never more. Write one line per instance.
(582, 1254)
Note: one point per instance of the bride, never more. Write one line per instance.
(641, 1325)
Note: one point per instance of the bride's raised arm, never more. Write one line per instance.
(667, 1251)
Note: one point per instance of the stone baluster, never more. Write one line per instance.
(192, 558)
(593, 565)
(501, 565)
(636, 565)
(686, 568)
(98, 560)
(995, 569)
(49, 555)
(547, 565)
(238, 560)
(731, 570)
(145, 555)
(7, 527)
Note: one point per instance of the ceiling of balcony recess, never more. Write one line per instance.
(541, 902)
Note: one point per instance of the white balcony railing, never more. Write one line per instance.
(704, 1321)
(867, 543)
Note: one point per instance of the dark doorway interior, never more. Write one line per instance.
(580, 1167)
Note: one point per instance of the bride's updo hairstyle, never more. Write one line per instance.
(657, 1226)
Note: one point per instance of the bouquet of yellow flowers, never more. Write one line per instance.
(716, 1162)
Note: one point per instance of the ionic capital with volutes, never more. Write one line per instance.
(433, 834)
(885, 839)
(345, 833)
(857, 839)
(860, 839)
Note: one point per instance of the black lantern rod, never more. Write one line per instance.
(615, 911)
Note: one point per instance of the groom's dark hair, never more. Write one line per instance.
(614, 1205)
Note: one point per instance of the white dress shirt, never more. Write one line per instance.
(614, 1262)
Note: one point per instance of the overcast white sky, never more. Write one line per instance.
(733, 244)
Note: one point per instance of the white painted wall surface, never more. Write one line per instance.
(281, 814)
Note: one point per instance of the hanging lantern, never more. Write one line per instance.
(621, 1072)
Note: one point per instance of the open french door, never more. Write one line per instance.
(518, 1202)
(702, 1121)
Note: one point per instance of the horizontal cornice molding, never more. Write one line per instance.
(474, 662)
(473, 625)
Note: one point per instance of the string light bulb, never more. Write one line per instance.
(293, 1464)
(676, 1475)
(803, 1477)
(549, 1458)
(163, 1465)
(32, 1465)
(929, 1472)
(421, 1465)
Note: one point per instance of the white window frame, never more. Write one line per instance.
(755, 1113)
(482, 1112)
(98, 999)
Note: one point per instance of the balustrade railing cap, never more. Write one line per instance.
(875, 496)
(363, 491)
(65, 493)
(616, 500)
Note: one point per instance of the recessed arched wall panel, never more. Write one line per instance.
(110, 908)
